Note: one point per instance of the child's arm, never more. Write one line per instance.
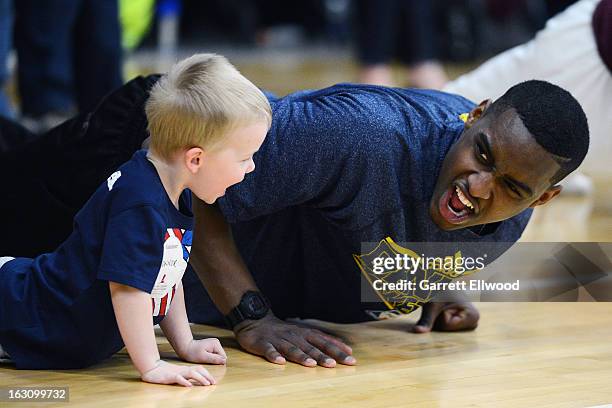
(132, 309)
(176, 328)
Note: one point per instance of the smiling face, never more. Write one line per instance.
(226, 163)
(494, 171)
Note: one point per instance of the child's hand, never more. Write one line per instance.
(204, 351)
(166, 373)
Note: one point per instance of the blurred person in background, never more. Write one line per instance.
(402, 30)
(69, 53)
(6, 34)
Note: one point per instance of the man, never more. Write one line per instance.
(340, 166)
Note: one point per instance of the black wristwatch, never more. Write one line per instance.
(253, 305)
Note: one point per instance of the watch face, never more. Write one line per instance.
(256, 305)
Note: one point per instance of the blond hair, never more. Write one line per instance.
(198, 101)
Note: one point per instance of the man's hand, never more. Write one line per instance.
(226, 277)
(204, 351)
(279, 341)
(447, 316)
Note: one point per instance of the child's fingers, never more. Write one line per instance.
(204, 373)
(208, 376)
(179, 379)
(213, 358)
(197, 376)
(217, 348)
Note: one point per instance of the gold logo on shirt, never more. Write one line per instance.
(404, 279)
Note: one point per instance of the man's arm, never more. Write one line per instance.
(221, 269)
(216, 259)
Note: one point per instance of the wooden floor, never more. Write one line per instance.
(525, 355)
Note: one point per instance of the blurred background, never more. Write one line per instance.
(60, 57)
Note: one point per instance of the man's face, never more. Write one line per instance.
(494, 171)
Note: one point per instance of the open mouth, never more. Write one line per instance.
(455, 206)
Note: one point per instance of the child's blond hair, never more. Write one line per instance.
(198, 101)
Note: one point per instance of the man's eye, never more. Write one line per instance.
(514, 189)
(482, 154)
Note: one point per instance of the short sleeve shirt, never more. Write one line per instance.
(56, 310)
(340, 167)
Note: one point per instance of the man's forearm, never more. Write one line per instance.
(216, 259)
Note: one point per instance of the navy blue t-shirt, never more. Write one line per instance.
(56, 310)
(342, 166)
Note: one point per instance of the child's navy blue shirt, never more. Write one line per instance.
(56, 309)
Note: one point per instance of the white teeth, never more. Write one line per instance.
(463, 199)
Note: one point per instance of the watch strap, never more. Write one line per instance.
(234, 317)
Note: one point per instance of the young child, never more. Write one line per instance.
(129, 248)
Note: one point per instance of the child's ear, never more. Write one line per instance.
(194, 159)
